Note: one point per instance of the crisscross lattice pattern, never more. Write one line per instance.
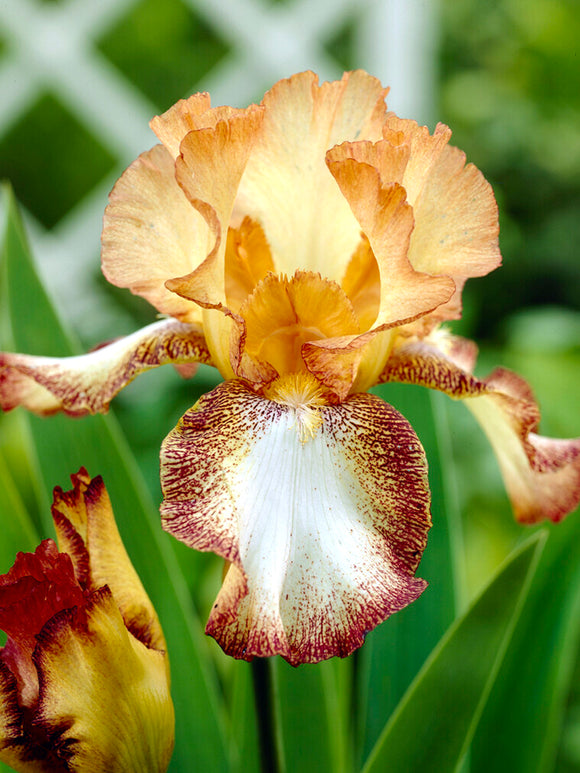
(80, 80)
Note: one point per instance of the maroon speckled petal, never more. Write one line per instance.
(87, 383)
(542, 475)
(323, 512)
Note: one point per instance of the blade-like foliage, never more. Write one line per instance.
(311, 716)
(434, 723)
(521, 725)
(397, 649)
(62, 445)
(18, 531)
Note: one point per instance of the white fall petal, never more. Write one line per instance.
(323, 511)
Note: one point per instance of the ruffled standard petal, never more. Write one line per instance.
(208, 169)
(286, 186)
(542, 475)
(85, 384)
(323, 512)
(151, 233)
(104, 698)
(387, 220)
(457, 226)
(182, 117)
(188, 115)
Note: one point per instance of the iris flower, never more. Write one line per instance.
(308, 247)
(84, 677)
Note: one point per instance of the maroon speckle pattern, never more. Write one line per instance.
(343, 576)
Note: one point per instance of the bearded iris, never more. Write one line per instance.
(309, 248)
(84, 677)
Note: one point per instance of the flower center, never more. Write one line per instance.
(283, 314)
(304, 395)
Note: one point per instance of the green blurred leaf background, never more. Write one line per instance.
(507, 75)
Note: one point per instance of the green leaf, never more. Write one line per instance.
(520, 727)
(246, 752)
(18, 531)
(435, 721)
(396, 650)
(311, 715)
(61, 446)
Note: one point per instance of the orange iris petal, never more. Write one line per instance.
(362, 284)
(283, 314)
(247, 261)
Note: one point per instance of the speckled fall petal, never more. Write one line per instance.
(542, 475)
(85, 384)
(323, 512)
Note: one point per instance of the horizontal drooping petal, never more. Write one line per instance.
(85, 384)
(323, 512)
(542, 475)
(286, 186)
(151, 233)
(104, 698)
(87, 531)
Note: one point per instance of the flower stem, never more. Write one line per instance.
(263, 695)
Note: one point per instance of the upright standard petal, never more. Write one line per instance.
(151, 233)
(86, 384)
(542, 475)
(457, 231)
(286, 186)
(387, 220)
(209, 169)
(323, 512)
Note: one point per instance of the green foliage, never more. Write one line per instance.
(434, 722)
(172, 48)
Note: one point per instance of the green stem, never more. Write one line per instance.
(263, 694)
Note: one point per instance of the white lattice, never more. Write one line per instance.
(52, 47)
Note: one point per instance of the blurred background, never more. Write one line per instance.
(79, 81)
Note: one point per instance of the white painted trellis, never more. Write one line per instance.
(51, 47)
